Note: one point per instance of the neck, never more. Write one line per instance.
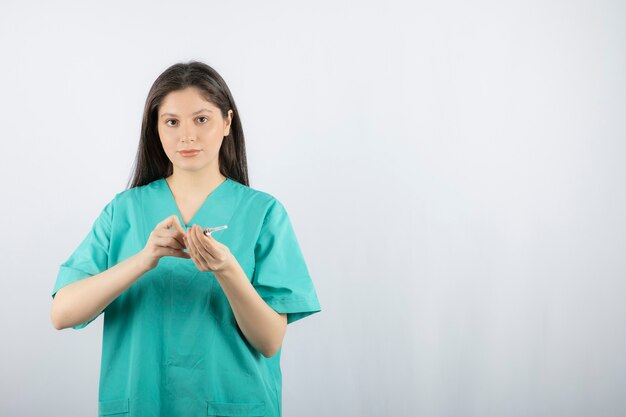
(194, 182)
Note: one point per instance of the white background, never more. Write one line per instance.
(454, 172)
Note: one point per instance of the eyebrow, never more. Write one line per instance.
(199, 111)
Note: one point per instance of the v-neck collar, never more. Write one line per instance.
(212, 195)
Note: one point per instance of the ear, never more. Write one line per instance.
(229, 119)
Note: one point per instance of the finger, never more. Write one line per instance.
(207, 250)
(174, 252)
(169, 233)
(171, 221)
(191, 250)
(177, 226)
(211, 240)
(191, 246)
(197, 263)
(173, 235)
(205, 243)
(167, 222)
(168, 242)
(179, 232)
(198, 260)
(181, 254)
(201, 251)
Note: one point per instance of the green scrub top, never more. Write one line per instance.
(171, 344)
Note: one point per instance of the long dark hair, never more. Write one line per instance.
(151, 162)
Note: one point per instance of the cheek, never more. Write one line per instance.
(168, 143)
(213, 131)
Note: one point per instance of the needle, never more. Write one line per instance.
(210, 230)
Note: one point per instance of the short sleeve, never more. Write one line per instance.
(90, 257)
(281, 276)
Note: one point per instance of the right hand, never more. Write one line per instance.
(164, 242)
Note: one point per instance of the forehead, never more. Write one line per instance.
(185, 101)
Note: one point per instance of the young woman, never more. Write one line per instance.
(193, 322)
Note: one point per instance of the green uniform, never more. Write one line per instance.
(171, 344)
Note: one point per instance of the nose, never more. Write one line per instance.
(188, 134)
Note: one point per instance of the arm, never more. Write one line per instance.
(263, 327)
(84, 299)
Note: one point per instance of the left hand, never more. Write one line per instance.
(207, 253)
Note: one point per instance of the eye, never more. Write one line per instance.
(169, 120)
(202, 117)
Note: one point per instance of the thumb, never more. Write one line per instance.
(177, 225)
(167, 222)
(172, 221)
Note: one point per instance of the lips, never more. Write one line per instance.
(189, 151)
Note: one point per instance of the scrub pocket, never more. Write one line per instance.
(116, 408)
(215, 409)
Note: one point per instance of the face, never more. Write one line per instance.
(187, 121)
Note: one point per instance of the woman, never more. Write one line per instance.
(193, 323)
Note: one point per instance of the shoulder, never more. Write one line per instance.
(262, 201)
(131, 195)
(124, 200)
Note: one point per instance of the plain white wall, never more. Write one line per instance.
(454, 172)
